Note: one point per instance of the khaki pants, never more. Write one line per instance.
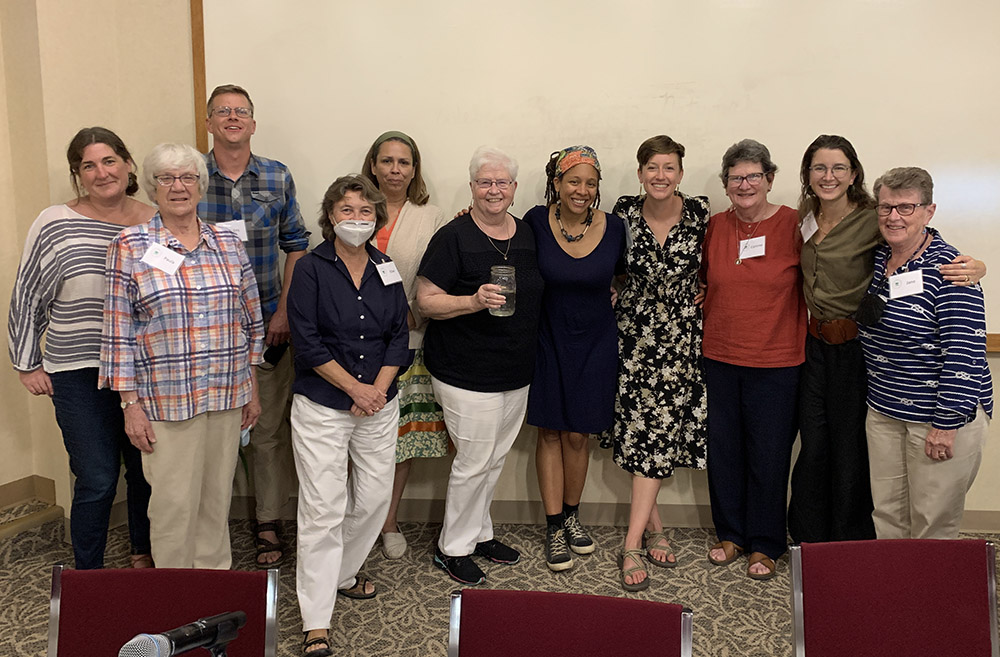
(915, 496)
(191, 473)
(271, 440)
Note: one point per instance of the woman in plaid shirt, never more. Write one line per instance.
(182, 327)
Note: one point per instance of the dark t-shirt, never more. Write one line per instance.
(479, 351)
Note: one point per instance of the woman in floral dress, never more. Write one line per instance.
(660, 409)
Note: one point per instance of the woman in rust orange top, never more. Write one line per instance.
(754, 331)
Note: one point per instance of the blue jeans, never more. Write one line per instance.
(93, 429)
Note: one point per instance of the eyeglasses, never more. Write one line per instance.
(187, 179)
(752, 178)
(838, 170)
(903, 209)
(242, 112)
(486, 183)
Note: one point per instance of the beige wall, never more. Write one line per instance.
(127, 65)
(66, 65)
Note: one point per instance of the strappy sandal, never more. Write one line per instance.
(658, 541)
(319, 652)
(359, 590)
(265, 546)
(636, 557)
(760, 557)
(732, 551)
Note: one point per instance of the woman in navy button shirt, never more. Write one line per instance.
(347, 311)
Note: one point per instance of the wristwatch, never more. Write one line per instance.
(126, 404)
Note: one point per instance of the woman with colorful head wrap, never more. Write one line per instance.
(573, 390)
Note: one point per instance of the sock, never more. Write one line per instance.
(555, 520)
(569, 510)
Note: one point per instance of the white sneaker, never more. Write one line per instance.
(393, 545)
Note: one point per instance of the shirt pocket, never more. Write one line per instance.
(266, 208)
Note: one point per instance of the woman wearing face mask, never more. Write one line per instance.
(393, 165)
(347, 309)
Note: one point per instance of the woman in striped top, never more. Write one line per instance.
(59, 293)
(930, 392)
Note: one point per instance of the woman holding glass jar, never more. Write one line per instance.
(481, 362)
(579, 248)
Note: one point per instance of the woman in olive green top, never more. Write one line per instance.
(831, 492)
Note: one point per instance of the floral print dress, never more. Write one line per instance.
(661, 404)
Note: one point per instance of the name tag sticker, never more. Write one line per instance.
(389, 273)
(903, 285)
(238, 226)
(752, 248)
(162, 258)
(809, 227)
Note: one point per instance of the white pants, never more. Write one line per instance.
(916, 496)
(338, 524)
(483, 426)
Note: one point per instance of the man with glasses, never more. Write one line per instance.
(255, 197)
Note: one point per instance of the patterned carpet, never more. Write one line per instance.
(733, 615)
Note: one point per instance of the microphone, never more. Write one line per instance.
(205, 632)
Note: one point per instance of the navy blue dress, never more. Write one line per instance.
(576, 366)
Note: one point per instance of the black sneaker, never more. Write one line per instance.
(460, 569)
(557, 555)
(577, 537)
(497, 552)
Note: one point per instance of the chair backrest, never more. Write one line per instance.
(486, 623)
(894, 597)
(95, 612)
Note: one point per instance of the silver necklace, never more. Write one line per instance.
(493, 244)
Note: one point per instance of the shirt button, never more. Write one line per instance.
(362, 337)
(203, 346)
(362, 356)
(201, 316)
(197, 287)
(362, 317)
(359, 298)
(359, 376)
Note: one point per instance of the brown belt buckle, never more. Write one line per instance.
(838, 326)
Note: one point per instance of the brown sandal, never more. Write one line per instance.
(760, 557)
(732, 550)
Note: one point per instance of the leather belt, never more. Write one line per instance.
(833, 331)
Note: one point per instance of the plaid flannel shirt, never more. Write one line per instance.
(264, 198)
(183, 341)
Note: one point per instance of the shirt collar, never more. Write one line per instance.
(253, 166)
(158, 233)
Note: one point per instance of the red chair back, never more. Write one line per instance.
(95, 612)
(487, 623)
(894, 597)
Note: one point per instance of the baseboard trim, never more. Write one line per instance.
(30, 521)
(615, 514)
(28, 488)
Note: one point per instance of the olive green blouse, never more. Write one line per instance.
(836, 272)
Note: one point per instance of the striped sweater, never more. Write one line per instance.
(926, 358)
(59, 292)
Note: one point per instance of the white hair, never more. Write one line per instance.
(488, 155)
(172, 156)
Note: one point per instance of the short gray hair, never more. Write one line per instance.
(747, 150)
(172, 156)
(902, 178)
(488, 155)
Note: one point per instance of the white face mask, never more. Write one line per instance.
(354, 231)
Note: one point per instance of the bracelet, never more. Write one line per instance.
(126, 404)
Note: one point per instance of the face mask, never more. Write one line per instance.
(354, 232)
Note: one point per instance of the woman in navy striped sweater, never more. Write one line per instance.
(929, 386)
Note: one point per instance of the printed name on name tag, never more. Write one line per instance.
(752, 248)
(238, 226)
(162, 258)
(388, 272)
(903, 285)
